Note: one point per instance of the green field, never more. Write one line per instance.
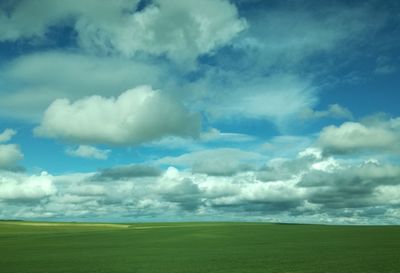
(197, 247)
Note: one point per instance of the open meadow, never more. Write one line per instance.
(196, 247)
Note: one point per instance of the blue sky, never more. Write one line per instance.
(184, 110)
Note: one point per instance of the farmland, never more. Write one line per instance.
(196, 247)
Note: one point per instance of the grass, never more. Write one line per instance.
(197, 247)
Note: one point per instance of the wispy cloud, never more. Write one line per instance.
(87, 151)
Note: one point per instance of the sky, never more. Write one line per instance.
(212, 110)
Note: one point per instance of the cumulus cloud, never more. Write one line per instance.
(87, 151)
(174, 187)
(138, 115)
(281, 169)
(263, 197)
(197, 27)
(350, 187)
(350, 137)
(23, 188)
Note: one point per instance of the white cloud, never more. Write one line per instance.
(278, 98)
(7, 135)
(88, 190)
(311, 152)
(269, 73)
(215, 135)
(219, 162)
(316, 187)
(211, 136)
(87, 151)
(327, 165)
(286, 145)
(20, 187)
(388, 194)
(138, 115)
(350, 185)
(176, 188)
(41, 81)
(10, 154)
(95, 74)
(181, 30)
(380, 135)
(333, 111)
(278, 192)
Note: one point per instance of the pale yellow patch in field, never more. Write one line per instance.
(67, 224)
(149, 227)
(172, 226)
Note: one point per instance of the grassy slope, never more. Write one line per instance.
(198, 247)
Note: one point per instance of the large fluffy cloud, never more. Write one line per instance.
(351, 186)
(377, 135)
(178, 189)
(136, 116)
(22, 188)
